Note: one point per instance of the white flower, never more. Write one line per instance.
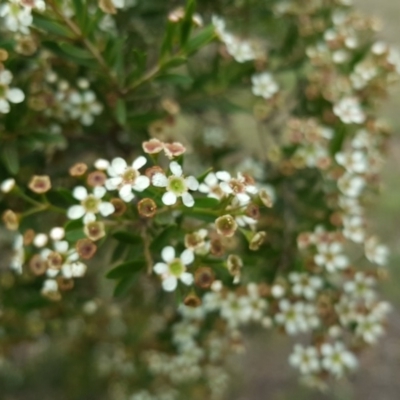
(354, 162)
(7, 185)
(240, 50)
(210, 185)
(91, 204)
(305, 284)
(346, 310)
(17, 17)
(84, 106)
(337, 359)
(306, 359)
(239, 187)
(375, 252)
(349, 111)
(50, 286)
(126, 177)
(8, 95)
(264, 85)
(176, 185)
(369, 328)
(18, 256)
(291, 316)
(174, 268)
(353, 228)
(330, 257)
(351, 185)
(360, 286)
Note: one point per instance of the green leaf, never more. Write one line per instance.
(207, 202)
(126, 269)
(119, 252)
(174, 62)
(74, 235)
(167, 44)
(124, 285)
(73, 225)
(206, 36)
(57, 50)
(187, 22)
(75, 51)
(120, 112)
(9, 155)
(51, 26)
(164, 238)
(175, 79)
(81, 9)
(126, 237)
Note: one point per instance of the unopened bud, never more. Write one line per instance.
(234, 264)
(266, 198)
(65, 284)
(153, 146)
(7, 185)
(174, 149)
(10, 220)
(37, 265)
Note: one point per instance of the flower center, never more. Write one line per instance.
(237, 186)
(130, 175)
(91, 204)
(176, 185)
(176, 267)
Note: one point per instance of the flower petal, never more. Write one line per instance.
(187, 199)
(169, 284)
(119, 165)
(99, 191)
(187, 256)
(80, 193)
(75, 212)
(160, 268)
(159, 180)
(106, 208)
(126, 193)
(169, 199)
(113, 183)
(139, 162)
(168, 254)
(175, 168)
(89, 217)
(192, 183)
(15, 95)
(186, 278)
(142, 182)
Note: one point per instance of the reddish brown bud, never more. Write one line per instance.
(153, 146)
(37, 265)
(192, 301)
(119, 206)
(65, 284)
(55, 260)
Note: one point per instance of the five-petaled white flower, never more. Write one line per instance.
(264, 85)
(337, 359)
(84, 106)
(174, 268)
(306, 359)
(17, 16)
(91, 204)
(305, 284)
(126, 177)
(8, 95)
(177, 185)
(330, 257)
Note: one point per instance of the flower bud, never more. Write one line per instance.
(257, 240)
(57, 233)
(94, 230)
(29, 235)
(119, 207)
(234, 264)
(217, 248)
(40, 240)
(65, 284)
(7, 185)
(147, 208)
(192, 300)
(266, 198)
(85, 248)
(40, 184)
(96, 178)
(10, 220)
(78, 169)
(253, 211)
(55, 260)
(226, 225)
(204, 277)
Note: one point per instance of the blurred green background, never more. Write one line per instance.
(264, 372)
